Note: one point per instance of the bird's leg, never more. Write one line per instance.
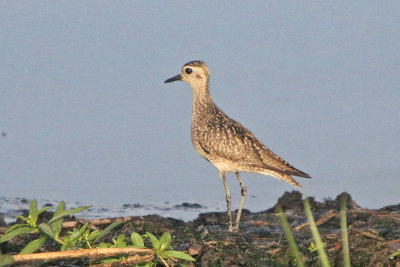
(243, 193)
(228, 200)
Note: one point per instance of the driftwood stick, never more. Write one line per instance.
(82, 253)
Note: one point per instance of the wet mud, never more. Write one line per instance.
(373, 235)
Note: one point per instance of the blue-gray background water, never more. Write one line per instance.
(85, 116)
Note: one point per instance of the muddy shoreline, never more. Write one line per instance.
(373, 235)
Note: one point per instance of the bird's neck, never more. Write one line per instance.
(202, 101)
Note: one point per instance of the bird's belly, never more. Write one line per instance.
(225, 165)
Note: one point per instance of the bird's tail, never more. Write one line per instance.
(284, 177)
(289, 179)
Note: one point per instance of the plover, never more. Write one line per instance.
(227, 144)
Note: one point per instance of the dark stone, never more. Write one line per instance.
(211, 218)
(391, 208)
(134, 205)
(263, 232)
(349, 202)
(289, 201)
(187, 205)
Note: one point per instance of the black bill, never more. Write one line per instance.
(173, 79)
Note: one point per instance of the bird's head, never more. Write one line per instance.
(195, 73)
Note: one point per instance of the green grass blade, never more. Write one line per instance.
(46, 228)
(68, 212)
(165, 240)
(343, 226)
(33, 246)
(93, 235)
(26, 219)
(154, 241)
(178, 255)
(120, 242)
(290, 238)
(107, 230)
(60, 209)
(33, 209)
(43, 209)
(16, 232)
(15, 226)
(137, 240)
(394, 255)
(316, 236)
(78, 233)
(57, 225)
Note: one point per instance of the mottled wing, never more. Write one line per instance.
(230, 140)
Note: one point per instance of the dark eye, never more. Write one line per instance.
(188, 70)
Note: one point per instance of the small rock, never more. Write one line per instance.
(391, 208)
(187, 205)
(194, 249)
(350, 204)
(263, 232)
(289, 201)
(134, 205)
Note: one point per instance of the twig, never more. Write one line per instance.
(163, 261)
(361, 210)
(131, 260)
(81, 253)
(389, 242)
(322, 220)
(371, 235)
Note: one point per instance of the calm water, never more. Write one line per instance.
(85, 116)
